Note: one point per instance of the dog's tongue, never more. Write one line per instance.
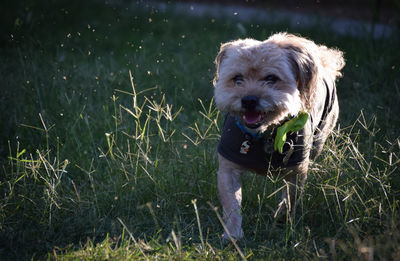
(252, 117)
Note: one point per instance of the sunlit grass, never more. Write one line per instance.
(110, 145)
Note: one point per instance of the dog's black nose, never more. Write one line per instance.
(250, 102)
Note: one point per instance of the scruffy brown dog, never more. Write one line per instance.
(264, 86)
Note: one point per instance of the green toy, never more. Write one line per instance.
(292, 125)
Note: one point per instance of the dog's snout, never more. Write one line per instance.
(249, 102)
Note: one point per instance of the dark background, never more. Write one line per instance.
(382, 11)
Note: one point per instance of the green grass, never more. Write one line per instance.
(109, 134)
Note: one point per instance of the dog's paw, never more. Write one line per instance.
(232, 236)
(283, 213)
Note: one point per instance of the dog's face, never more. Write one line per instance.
(256, 83)
(265, 82)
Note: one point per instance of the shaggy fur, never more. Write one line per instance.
(263, 83)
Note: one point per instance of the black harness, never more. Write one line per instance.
(258, 152)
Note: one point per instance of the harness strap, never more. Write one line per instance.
(329, 101)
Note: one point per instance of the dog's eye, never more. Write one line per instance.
(271, 79)
(238, 79)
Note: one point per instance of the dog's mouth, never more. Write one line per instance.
(253, 119)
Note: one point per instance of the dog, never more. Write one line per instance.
(266, 87)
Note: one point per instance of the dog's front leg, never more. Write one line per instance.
(230, 192)
(295, 178)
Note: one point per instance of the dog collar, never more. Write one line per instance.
(253, 135)
(294, 124)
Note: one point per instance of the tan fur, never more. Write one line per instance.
(302, 67)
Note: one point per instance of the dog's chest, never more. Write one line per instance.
(258, 153)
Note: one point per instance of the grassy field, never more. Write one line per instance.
(108, 142)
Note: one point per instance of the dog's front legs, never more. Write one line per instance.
(294, 179)
(230, 192)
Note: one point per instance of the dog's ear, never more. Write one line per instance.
(302, 58)
(309, 60)
(332, 60)
(218, 60)
(303, 66)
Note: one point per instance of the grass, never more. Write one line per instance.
(109, 133)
